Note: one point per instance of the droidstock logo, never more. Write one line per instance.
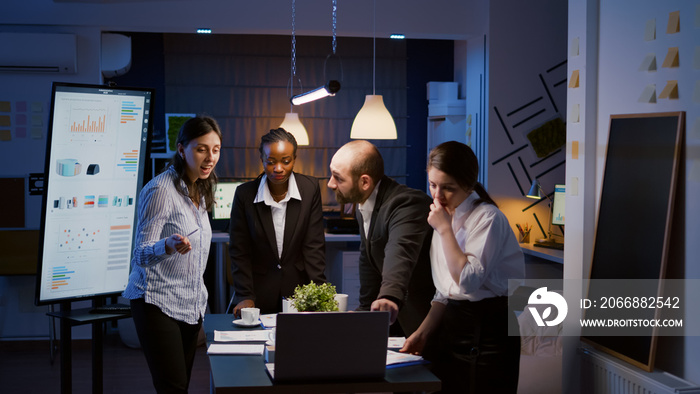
(543, 297)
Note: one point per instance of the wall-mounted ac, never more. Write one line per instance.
(38, 53)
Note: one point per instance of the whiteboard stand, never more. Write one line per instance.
(70, 318)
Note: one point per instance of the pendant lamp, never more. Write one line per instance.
(291, 122)
(374, 121)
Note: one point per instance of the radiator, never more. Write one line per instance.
(605, 374)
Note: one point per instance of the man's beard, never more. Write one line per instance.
(353, 197)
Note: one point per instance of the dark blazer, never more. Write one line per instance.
(258, 274)
(395, 262)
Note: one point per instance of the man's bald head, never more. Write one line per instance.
(362, 157)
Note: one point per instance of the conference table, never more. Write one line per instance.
(247, 374)
(220, 240)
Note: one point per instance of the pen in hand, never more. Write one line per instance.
(193, 231)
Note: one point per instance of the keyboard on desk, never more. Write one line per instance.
(550, 245)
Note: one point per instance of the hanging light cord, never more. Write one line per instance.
(335, 22)
(374, 46)
(294, 56)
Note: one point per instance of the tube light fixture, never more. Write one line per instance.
(329, 89)
(397, 36)
(204, 31)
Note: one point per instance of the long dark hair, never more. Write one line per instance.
(459, 161)
(192, 129)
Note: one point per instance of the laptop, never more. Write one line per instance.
(330, 346)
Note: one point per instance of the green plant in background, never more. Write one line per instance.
(315, 298)
(173, 126)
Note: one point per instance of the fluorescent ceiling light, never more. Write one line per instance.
(329, 89)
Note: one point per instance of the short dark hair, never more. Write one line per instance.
(278, 135)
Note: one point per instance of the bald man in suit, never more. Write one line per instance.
(395, 273)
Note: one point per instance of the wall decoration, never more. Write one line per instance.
(548, 137)
(671, 59)
(173, 123)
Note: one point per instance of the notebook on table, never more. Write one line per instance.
(340, 346)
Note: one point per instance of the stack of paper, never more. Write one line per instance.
(396, 359)
(229, 348)
(242, 336)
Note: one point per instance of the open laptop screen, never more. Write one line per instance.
(331, 346)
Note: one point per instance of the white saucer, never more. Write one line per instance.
(240, 323)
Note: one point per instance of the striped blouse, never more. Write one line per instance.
(174, 282)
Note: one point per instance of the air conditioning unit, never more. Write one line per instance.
(38, 53)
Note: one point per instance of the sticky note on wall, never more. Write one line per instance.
(670, 90)
(5, 106)
(671, 59)
(575, 113)
(650, 30)
(5, 135)
(573, 49)
(674, 22)
(574, 150)
(649, 63)
(649, 94)
(573, 82)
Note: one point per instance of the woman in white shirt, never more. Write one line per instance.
(473, 255)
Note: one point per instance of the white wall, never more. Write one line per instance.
(620, 83)
(19, 318)
(526, 65)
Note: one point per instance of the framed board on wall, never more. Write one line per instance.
(97, 149)
(634, 217)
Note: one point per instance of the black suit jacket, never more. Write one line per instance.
(258, 273)
(395, 255)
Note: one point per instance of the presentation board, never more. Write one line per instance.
(97, 149)
(634, 217)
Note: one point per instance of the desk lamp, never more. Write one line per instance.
(537, 193)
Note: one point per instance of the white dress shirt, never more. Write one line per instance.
(493, 254)
(279, 209)
(367, 207)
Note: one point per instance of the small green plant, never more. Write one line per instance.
(314, 298)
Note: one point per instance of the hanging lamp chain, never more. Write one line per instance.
(335, 23)
(294, 43)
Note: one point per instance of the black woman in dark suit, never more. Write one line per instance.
(277, 239)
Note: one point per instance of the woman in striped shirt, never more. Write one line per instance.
(166, 288)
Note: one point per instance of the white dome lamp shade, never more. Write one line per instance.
(373, 121)
(292, 124)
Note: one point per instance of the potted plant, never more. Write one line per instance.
(314, 298)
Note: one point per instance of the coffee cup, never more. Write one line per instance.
(250, 315)
(342, 300)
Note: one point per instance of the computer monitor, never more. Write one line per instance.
(223, 199)
(558, 205)
(97, 149)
